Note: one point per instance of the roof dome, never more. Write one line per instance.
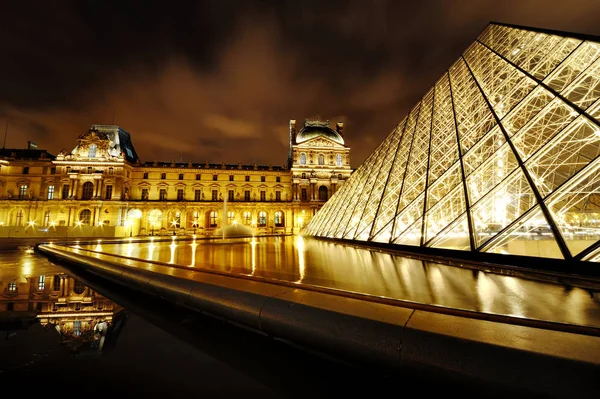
(314, 129)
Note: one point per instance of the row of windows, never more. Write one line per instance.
(321, 159)
(199, 195)
(163, 176)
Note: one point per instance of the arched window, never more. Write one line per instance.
(338, 160)
(230, 217)
(176, 222)
(322, 193)
(213, 219)
(88, 190)
(262, 219)
(321, 159)
(85, 216)
(92, 151)
(302, 158)
(279, 219)
(247, 218)
(46, 218)
(19, 219)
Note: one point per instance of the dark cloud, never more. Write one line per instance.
(219, 81)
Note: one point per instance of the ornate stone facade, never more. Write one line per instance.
(102, 189)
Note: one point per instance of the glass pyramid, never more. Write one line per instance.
(500, 155)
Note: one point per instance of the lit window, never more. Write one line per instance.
(92, 151)
(302, 159)
(22, 191)
(85, 216)
(278, 218)
(77, 328)
(321, 159)
(338, 160)
(177, 220)
(262, 219)
(41, 283)
(215, 195)
(50, 192)
(247, 218)
(230, 217)
(12, 286)
(19, 218)
(213, 219)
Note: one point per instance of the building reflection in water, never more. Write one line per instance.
(88, 323)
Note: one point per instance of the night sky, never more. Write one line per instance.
(219, 80)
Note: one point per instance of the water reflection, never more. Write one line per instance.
(312, 262)
(85, 322)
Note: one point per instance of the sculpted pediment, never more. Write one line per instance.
(320, 142)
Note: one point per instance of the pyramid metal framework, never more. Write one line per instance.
(500, 156)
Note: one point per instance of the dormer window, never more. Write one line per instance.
(92, 151)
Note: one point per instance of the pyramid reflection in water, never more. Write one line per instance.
(500, 155)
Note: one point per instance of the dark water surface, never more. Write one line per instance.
(75, 332)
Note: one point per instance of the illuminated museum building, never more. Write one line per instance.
(499, 156)
(102, 188)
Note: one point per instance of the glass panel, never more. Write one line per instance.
(527, 109)
(445, 211)
(530, 236)
(362, 229)
(568, 70)
(548, 60)
(586, 88)
(408, 216)
(456, 236)
(542, 127)
(574, 148)
(385, 234)
(499, 208)
(492, 172)
(473, 115)
(483, 150)
(446, 183)
(412, 235)
(594, 110)
(503, 84)
(575, 208)
(444, 148)
(389, 201)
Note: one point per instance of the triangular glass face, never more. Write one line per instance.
(529, 236)
(509, 132)
(412, 235)
(456, 236)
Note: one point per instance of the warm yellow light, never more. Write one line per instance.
(31, 223)
(52, 224)
(79, 223)
(173, 223)
(1, 223)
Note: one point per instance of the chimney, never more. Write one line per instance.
(31, 145)
(339, 127)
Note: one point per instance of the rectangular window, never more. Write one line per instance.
(278, 179)
(247, 178)
(50, 192)
(213, 219)
(230, 177)
(145, 175)
(108, 192)
(278, 196)
(247, 195)
(304, 195)
(198, 176)
(22, 191)
(230, 217)
(263, 178)
(41, 283)
(144, 194)
(215, 195)
(163, 176)
(215, 177)
(12, 286)
(230, 196)
(53, 170)
(180, 195)
(197, 195)
(65, 191)
(262, 219)
(247, 218)
(263, 195)
(163, 194)
(181, 176)
(25, 170)
(278, 219)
